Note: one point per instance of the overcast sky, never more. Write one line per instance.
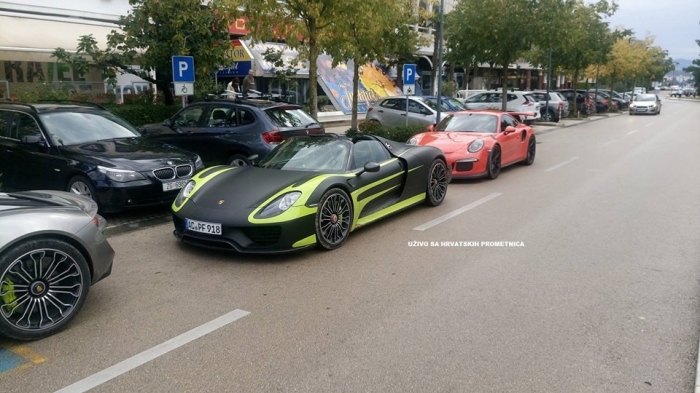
(675, 24)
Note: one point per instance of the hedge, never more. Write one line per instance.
(399, 133)
(142, 114)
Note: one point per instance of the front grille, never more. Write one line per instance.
(164, 173)
(464, 166)
(184, 170)
(263, 236)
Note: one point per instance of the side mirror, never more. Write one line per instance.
(509, 130)
(369, 167)
(168, 123)
(32, 140)
(431, 128)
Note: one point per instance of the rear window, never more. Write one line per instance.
(288, 117)
(529, 97)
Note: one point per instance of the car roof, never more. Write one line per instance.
(262, 104)
(50, 107)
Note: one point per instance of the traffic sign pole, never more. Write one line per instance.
(409, 83)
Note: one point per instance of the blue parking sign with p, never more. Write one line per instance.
(183, 69)
(409, 74)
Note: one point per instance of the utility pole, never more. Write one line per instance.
(439, 64)
(597, 72)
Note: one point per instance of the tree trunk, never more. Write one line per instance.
(504, 91)
(399, 74)
(575, 86)
(355, 91)
(451, 75)
(467, 70)
(313, 69)
(164, 87)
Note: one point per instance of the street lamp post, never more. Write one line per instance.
(439, 64)
(549, 80)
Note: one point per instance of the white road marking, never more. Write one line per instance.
(561, 164)
(457, 212)
(632, 132)
(608, 143)
(153, 353)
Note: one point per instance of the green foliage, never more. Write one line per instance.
(449, 89)
(399, 134)
(695, 69)
(284, 71)
(151, 34)
(140, 115)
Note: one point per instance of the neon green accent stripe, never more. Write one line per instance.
(413, 169)
(359, 206)
(391, 209)
(307, 241)
(200, 181)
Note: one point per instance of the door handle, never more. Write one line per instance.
(403, 114)
(380, 111)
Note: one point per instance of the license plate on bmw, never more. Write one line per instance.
(209, 228)
(174, 185)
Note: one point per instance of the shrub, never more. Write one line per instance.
(140, 115)
(399, 134)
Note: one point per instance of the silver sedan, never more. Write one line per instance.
(52, 250)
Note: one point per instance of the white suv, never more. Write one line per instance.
(518, 101)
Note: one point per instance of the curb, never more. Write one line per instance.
(585, 121)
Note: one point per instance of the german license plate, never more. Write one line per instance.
(174, 185)
(203, 227)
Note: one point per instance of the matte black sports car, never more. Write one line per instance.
(310, 190)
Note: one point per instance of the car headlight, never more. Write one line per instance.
(476, 146)
(185, 192)
(653, 105)
(280, 205)
(198, 164)
(412, 141)
(121, 175)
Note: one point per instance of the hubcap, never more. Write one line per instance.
(238, 162)
(39, 289)
(438, 182)
(335, 218)
(81, 188)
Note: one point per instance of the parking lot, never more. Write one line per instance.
(578, 273)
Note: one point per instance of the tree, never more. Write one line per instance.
(494, 31)
(151, 33)
(370, 38)
(284, 71)
(305, 25)
(695, 70)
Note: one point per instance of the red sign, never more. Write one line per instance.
(239, 27)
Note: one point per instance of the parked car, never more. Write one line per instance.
(518, 101)
(310, 191)
(646, 104)
(462, 95)
(622, 103)
(451, 103)
(601, 103)
(87, 150)
(391, 111)
(558, 105)
(480, 144)
(231, 131)
(52, 250)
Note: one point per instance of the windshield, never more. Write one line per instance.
(432, 103)
(309, 154)
(645, 97)
(72, 128)
(456, 104)
(286, 117)
(471, 122)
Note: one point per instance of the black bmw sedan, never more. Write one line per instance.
(89, 151)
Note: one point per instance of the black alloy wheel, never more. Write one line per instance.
(494, 164)
(437, 183)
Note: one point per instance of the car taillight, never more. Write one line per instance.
(561, 105)
(272, 137)
(528, 103)
(369, 109)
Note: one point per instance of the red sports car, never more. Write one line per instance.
(480, 143)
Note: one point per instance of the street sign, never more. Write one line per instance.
(184, 89)
(409, 89)
(409, 74)
(183, 69)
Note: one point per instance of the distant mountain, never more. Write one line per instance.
(682, 63)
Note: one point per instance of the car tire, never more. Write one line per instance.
(494, 164)
(550, 116)
(237, 160)
(36, 262)
(531, 151)
(333, 219)
(81, 185)
(437, 183)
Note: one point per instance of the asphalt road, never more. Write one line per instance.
(601, 297)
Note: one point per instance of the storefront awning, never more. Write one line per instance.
(42, 35)
(290, 56)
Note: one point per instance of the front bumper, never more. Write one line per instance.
(642, 110)
(244, 237)
(472, 166)
(98, 248)
(115, 197)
